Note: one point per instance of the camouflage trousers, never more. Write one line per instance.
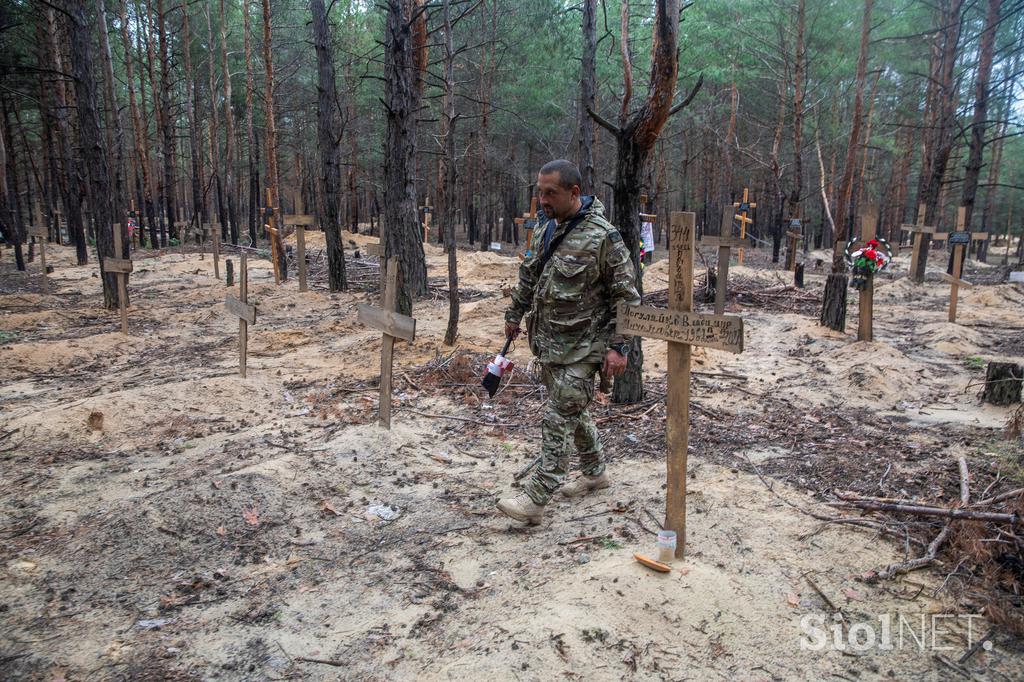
(566, 424)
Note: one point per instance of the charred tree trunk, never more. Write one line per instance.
(330, 151)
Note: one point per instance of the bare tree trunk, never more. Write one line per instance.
(833, 308)
(635, 137)
(229, 128)
(271, 126)
(796, 192)
(588, 96)
(198, 200)
(252, 143)
(979, 122)
(93, 157)
(449, 179)
(940, 121)
(211, 158)
(405, 60)
(330, 152)
(115, 134)
(72, 175)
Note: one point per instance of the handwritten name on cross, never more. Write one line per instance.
(683, 329)
(394, 326)
(244, 311)
(725, 242)
(744, 208)
(959, 240)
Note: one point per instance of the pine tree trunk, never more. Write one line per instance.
(833, 309)
(330, 152)
(198, 200)
(449, 179)
(271, 127)
(229, 128)
(94, 159)
(588, 96)
(979, 122)
(404, 50)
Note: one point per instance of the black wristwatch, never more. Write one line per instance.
(620, 348)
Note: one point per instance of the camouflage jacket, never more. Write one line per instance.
(572, 302)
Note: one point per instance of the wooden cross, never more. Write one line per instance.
(135, 216)
(528, 221)
(744, 207)
(918, 230)
(725, 242)
(795, 234)
(683, 329)
(214, 234)
(244, 311)
(40, 233)
(865, 319)
(300, 222)
(959, 240)
(394, 326)
(121, 266)
(426, 222)
(272, 232)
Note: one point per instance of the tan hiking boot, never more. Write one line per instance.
(585, 484)
(522, 508)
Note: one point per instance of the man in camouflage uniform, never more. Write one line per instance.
(572, 299)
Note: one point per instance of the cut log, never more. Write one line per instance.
(1003, 382)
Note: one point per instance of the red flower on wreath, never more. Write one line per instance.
(873, 244)
(870, 254)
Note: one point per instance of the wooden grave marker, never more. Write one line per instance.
(121, 266)
(245, 312)
(215, 241)
(866, 309)
(744, 208)
(300, 222)
(795, 236)
(725, 242)
(271, 229)
(959, 240)
(40, 233)
(683, 329)
(529, 223)
(394, 326)
(918, 230)
(426, 222)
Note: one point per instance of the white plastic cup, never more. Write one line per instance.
(666, 546)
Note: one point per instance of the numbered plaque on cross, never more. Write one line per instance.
(725, 241)
(245, 312)
(794, 235)
(959, 240)
(394, 326)
(683, 329)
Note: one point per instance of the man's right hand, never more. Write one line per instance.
(512, 329)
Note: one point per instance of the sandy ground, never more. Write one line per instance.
(163, 518)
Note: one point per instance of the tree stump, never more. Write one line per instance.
(1003, 382)
(833, 309)
(798, 276)
(231, 273)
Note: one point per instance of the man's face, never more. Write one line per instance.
(558, 202)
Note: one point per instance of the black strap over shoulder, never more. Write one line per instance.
(550, 251)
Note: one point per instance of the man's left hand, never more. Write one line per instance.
(614, 363)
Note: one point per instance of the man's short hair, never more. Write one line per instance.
(568, 173)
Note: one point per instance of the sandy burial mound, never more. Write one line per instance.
(162, 518)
